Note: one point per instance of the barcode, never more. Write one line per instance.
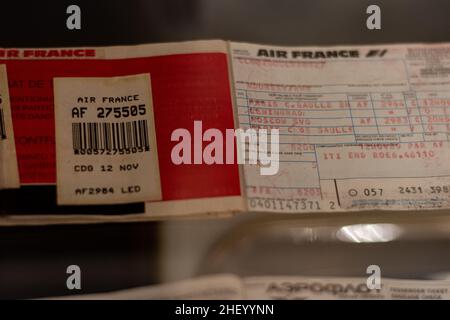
(2, 126)
(110, 138)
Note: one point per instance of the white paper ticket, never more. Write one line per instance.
(309, 288)
(9, 174)
(105, 140)
(360, 128)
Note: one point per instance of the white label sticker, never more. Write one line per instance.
(9, 175)
(105, 141)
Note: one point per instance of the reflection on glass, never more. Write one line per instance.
(368, 233)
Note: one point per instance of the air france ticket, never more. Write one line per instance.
(360, 128)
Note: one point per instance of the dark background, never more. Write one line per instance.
(33, 260)
(294, 22)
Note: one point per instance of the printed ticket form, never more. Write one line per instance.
(359, 128)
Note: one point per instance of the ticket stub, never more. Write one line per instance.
(310, 288)
(360, 127)
(190, 81)
(9, 174)
(105, 140)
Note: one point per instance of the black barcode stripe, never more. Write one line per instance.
(135, 132)
(96, 136)
(84, 137)
(2, 126)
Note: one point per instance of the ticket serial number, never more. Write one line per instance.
(406, 189)
(302, 204)
(426, 190)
